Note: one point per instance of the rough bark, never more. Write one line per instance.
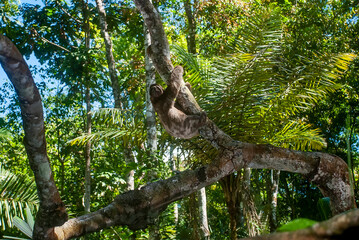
(343, 226)
(230, 186)
(109, 55)
(138, 208)
(249, 208)
(193, 217)
(52, 211)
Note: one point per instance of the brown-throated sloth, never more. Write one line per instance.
(175, 121)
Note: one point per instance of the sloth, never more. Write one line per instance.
(174, 120)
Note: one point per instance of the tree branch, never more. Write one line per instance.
(160, 50)
(343, 226)
(52, 211)
(138, 208)
(329, 172)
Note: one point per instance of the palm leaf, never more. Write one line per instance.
(16, 193)
(298, 136)
(258, 91)
(115, 124)
(23, 226)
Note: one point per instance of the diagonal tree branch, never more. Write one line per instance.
(160, 50)
(139, 208)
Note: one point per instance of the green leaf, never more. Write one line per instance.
(16, 194)
(30, 218)
(23, 226)
(296, 224)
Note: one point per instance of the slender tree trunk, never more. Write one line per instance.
(230, 185)
(173, 166)
(203, 220)
(191, 27)
(193, 212)
(154, 230)
(109, 55)
(349, 152)
(252, 218)
(115, 84)
(191, 47)
(130, 178)
(129, 158)
(273, 193)
(87, 195)
(150, 112)
(60, 157)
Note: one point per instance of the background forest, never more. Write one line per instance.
(271, 72)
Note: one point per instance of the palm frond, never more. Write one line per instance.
(298, 136)
(16, 193)
(258, 89)
(23, 226)
(114, 124)
(198, 69)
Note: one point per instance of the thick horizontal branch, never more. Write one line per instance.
(139, 208)
(343, 226)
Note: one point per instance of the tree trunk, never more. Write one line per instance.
(273, 193)
(348, 134)
(230, 185)
(203, 221)
(109, 55)
(191, 47)
(193, 215)
(52, 211)
(129, 158)
(150, 112)
(154, 229)
(249, 208)
(191, 27)
(87, 195)
(173, 166)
